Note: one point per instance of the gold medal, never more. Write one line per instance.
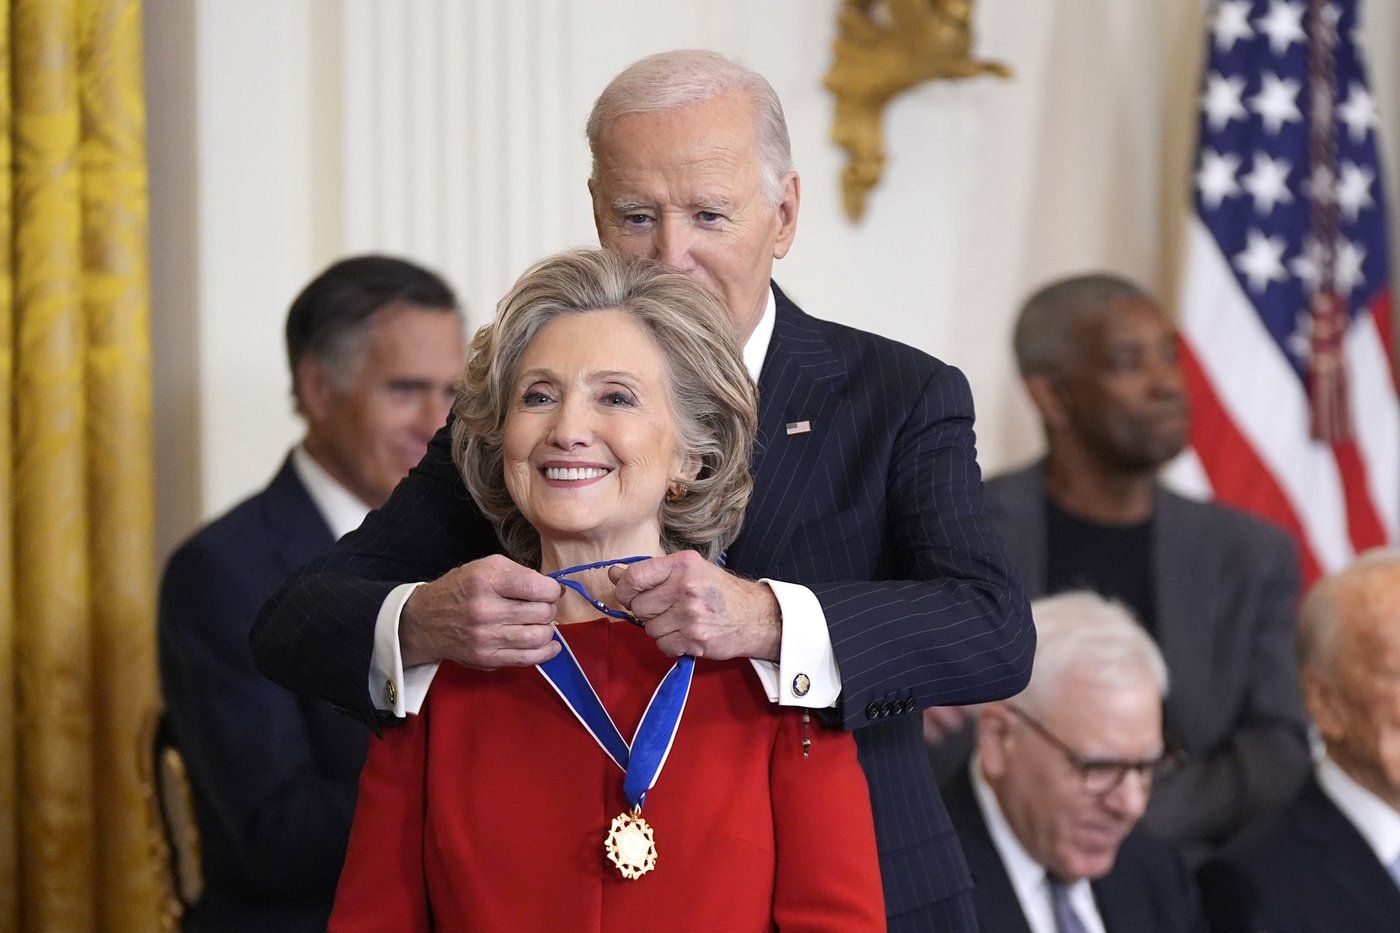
(631, 844)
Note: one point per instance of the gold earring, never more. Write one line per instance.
(675, 492)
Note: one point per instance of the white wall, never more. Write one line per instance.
(286, 132)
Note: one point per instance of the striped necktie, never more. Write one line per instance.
(1066, 920)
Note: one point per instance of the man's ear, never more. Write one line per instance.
(787, 214)
(315, 391)
(1044, 390)
(994, 739)
(1320, 697)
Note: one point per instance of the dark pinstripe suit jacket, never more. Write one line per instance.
(885, 487)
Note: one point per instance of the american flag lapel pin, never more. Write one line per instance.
(799, 427)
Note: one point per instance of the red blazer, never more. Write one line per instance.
(501, 826)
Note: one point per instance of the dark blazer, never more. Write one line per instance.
(1307, 870)
(1226, 587)
(885, 487)
(1148, 890)
(274, 775)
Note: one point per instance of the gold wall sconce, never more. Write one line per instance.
(882, 48)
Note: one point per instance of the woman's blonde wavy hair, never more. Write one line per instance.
(714, 401)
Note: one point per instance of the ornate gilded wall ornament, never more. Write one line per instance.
(884, 47)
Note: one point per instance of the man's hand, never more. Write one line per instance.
(487, 614)
(692, 607)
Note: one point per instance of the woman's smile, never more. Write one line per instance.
(572, 475)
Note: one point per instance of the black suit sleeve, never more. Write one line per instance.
(316, 634)
(951, 625)
(244, 740)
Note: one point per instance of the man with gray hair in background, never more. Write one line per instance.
(1060, 777)
(1215, 588)
(1331, 861)
(867, 582)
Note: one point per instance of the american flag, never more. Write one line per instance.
(1285, 302)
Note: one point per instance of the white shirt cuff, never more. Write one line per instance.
(391, 687)
(806, 674)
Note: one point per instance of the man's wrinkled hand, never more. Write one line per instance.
(487, 614)
(690, 606)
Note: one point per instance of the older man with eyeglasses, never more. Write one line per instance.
(1062, 774)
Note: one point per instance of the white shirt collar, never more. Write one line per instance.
(1376, 821)
(757, 346)
(341, 508)
(1028, 877)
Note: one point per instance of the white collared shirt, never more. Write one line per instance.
(756, 348)
(1028, 877)
(1376, 821)
(805, 652)
(341, 508)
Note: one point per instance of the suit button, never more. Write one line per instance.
(910, 705)
(391, 693)
(872, 711)
(888, 709)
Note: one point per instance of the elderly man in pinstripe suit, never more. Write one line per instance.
(867, 583)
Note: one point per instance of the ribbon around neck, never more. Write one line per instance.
(642, 759)
(598, 604)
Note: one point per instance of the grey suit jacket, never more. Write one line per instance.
(1226, 588)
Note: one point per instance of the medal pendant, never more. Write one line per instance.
(631, 844)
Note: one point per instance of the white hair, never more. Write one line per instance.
(675, 79)
(1320, 614)
(1092, 638)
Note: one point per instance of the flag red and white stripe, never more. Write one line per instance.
(1283, 226)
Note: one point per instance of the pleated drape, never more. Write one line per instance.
(78, 845)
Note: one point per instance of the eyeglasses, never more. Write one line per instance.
(1099, 776)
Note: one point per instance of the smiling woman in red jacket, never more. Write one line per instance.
(606, 414)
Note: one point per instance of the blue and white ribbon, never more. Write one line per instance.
(642, 759)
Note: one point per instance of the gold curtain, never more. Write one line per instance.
(78, 846)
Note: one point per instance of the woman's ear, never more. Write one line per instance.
(687, 467)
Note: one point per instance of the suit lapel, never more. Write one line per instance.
(1121, 910)
(296, 524)
(1350, 862)
(998, 907)
(1185, 564)
(800, 381)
